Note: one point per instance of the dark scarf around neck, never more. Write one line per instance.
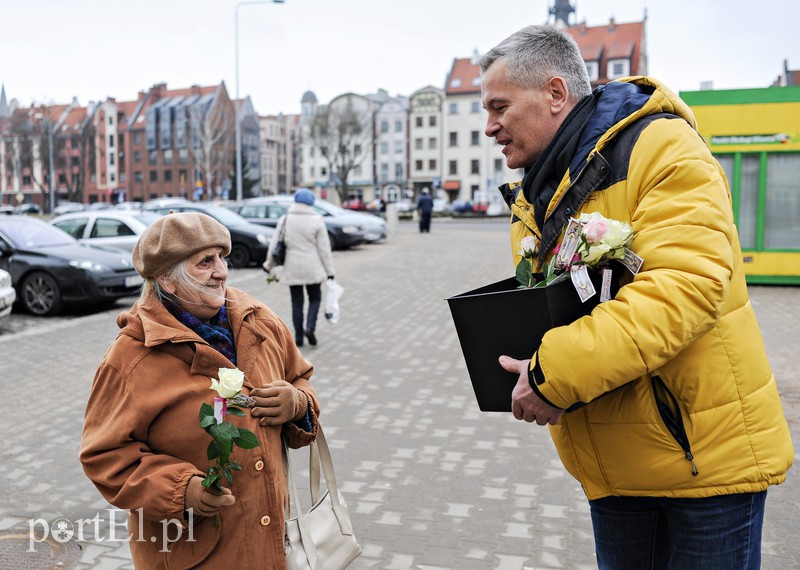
(217, 332)
(541, 180)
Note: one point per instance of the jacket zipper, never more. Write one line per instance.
(673, 424)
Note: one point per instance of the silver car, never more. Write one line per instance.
(7, 294)
(108, 228)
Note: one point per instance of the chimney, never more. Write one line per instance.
(475, 57)
(612, 24)
(583, 27)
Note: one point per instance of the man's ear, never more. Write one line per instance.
(559, 94)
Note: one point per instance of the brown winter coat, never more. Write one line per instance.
(142, 441)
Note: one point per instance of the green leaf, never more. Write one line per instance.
(235, 466)
(228, 475)
(222, 436)
(213, 450)
(206, 410)
(523, 273)
(235, 411)
(246, 439)
(207, 421)
(210, 480)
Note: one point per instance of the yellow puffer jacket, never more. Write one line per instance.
(682, 401)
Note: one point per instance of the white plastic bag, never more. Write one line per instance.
(334, 291)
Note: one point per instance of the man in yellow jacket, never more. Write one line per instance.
(661, 402)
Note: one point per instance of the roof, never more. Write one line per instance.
(464, 77)
(611, 41)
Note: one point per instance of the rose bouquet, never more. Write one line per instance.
(224, 435)
(590, 242)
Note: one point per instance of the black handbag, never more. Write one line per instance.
(279, 251)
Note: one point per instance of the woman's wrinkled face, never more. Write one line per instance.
(209, 273)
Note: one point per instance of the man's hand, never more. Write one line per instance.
(525, 404)
(278, 403)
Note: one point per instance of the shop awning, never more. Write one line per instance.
(452, 185)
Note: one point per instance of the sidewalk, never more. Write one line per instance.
(432, 482)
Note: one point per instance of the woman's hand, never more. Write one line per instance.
(278, 403)
(204, 501)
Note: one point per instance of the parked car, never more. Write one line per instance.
(105, 227)
(50, 269)
(67, 207)
(7, 294)
(267, 211)
(459, 207)
(28, 208)
(374, 227)
(249, 241)
(6, 209)
(354, 204)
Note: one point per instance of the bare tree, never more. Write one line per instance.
(342, 131)
(212, 141)
(29, 144)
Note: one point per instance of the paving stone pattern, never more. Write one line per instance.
(432, 482)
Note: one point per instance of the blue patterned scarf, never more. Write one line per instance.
(217, 332)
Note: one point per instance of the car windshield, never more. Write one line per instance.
(26, 234)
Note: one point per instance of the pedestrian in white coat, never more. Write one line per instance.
(308, 262)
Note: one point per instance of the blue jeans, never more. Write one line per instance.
(720, 532)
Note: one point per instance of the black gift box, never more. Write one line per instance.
(500, 318)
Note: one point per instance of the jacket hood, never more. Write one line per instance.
(620, 103)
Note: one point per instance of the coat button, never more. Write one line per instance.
(259, 465)
(265, 520)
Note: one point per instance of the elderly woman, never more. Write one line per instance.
(143, 446)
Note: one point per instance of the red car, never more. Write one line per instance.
(354, 204)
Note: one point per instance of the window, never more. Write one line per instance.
(453, 167)
(357, 150)
(167, 176)
(153, 157)
(453, 139)
(384, 126)
(398, 147)
(384, 171)
(432, 143)
(593, 69)
(357, 171)
(183, 156)
(475, 107)
(137, 176)
(137, 137)
(432, 164)
(475, 138)
(748, 200)
(137, 156)
(168, 156)
(418, 121)
(432, 121)
(781, 226)
(182, 176)
(398, 126)
(455, 83)
(153, 176)
(110, 139)
(398, 171)
(417, 165)
(454, 108)
(111, 159)
(384, 147)
(498, 164)
(618, 68)
(475, 167)
(418, 144)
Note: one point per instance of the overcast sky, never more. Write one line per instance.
(54, 50)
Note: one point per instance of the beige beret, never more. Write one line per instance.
(173, 238)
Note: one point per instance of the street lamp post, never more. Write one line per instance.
(236, 109)
(51, 175)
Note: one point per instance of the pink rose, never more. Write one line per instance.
(595, 230)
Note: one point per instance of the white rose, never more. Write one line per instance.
(595, 253)
(230, 382)
(528, 246)
(619, 234)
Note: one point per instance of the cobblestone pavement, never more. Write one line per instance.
(432, 482)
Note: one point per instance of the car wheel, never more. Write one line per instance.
(40, 294)
(332, 239)
(239, 256)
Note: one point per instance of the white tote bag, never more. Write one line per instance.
(321, 538)
(334, 291)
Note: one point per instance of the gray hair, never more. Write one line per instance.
(535, 54)
(178, 274)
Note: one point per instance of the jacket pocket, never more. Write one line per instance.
(670, 414)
